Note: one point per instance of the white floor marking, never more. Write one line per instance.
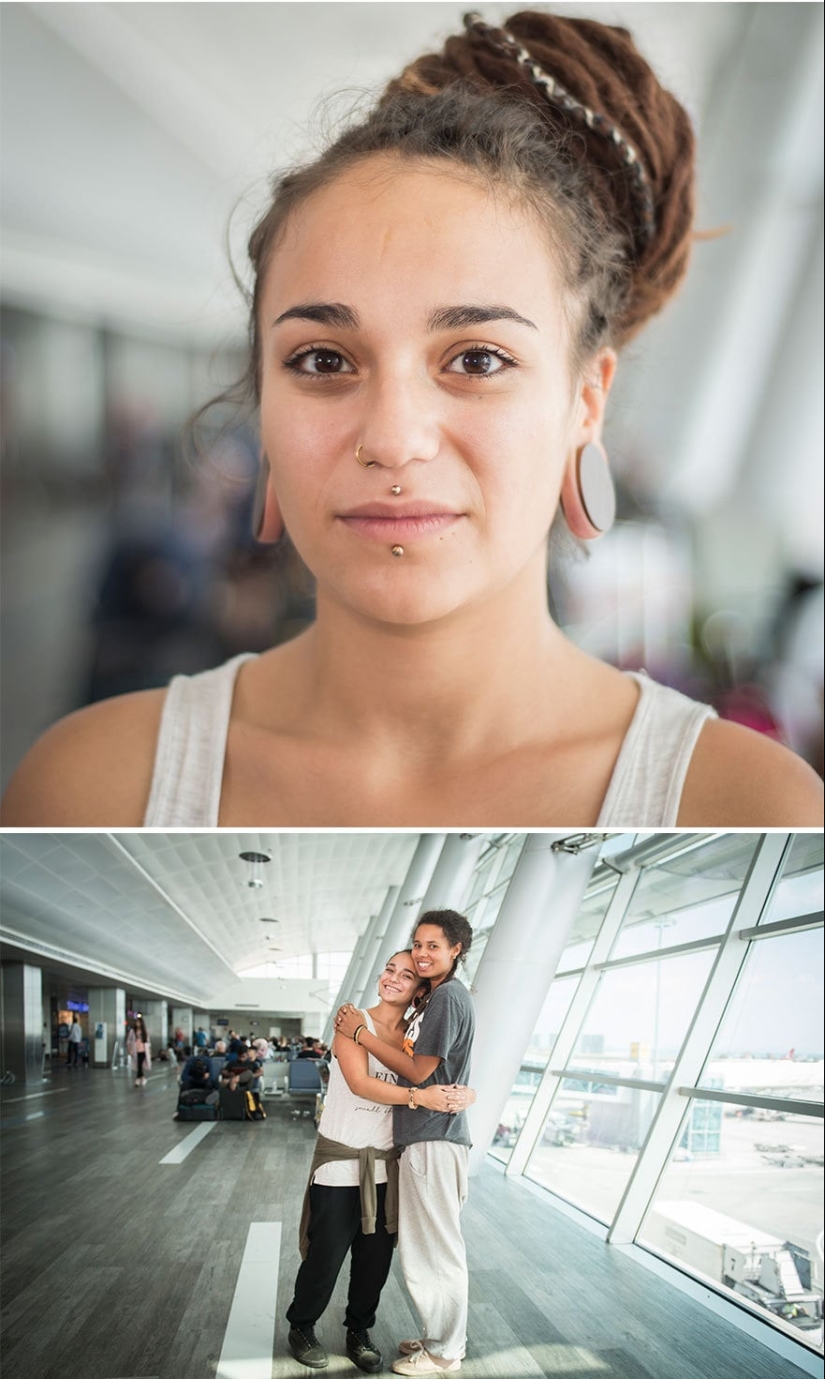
(7, 1101)
(180, 1151)
(250, 1331)
(35, 1115)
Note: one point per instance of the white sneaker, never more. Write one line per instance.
(421, 1362)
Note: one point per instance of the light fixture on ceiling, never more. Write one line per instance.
(256, 862)
(264, 919)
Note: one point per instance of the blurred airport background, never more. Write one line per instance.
(137, 142)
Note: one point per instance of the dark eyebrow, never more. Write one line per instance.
(443, 318)
(456, 317)
(323, 313)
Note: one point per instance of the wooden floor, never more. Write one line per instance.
(115, 1266)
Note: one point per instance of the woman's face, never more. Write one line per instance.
(432, 952)
(399, 981)
(420, 317)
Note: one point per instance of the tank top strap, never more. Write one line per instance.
(647, 782)
(191, 747)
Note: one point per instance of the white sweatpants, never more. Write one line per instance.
(432, 1189)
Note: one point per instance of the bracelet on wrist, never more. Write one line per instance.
(356, 1033)
(411, 1101)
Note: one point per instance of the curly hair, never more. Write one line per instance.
(455, 928)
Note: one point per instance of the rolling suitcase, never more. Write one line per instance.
(232, 1104)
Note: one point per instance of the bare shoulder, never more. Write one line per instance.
(740, 779)
(92, 769)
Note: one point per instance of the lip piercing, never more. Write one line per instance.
(396, 489)
(365, 464)
(398, 550)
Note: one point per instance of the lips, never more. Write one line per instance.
(390, 521)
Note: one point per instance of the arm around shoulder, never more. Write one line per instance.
(92, 769)
(740, 779)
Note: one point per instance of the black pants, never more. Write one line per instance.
(71, 1053)
(334, 1229)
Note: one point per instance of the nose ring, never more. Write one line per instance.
(365, 464)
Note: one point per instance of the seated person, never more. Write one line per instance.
(311, 1048)
(216, 1061)
(196, 1075)
(241, 1069)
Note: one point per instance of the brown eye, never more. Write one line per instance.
(318, 362)
(325, 361)
(479, 363)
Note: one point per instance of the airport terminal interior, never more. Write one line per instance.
(645, 1180)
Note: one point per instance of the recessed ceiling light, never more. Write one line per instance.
(254, 857)
(264, 920)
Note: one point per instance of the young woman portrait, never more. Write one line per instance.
(440, 303)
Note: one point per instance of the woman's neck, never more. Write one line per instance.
(467, 681)
(387, 1016)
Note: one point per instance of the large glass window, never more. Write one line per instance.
(533, 1065)
(686, 898)
(639, 1015)
(737, 1198)
(748, 1215)
(590, 1143)
(770, 1041)
(587, 924)
(800, 890)
(489, 888)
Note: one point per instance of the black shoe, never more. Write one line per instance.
(363, 1353)
(306, 1348)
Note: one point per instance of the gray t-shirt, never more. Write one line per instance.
(444, 1029)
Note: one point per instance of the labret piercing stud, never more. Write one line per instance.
(398, 550)
(396, 489)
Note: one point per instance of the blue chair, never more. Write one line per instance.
(304, 1084)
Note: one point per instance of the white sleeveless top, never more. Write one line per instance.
(644, 791)
(353, 1121)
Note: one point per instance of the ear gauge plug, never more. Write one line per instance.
(267, 522)
(259, 499)
(588, 497)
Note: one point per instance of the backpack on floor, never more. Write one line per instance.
(202, 1112)
(197, 1104)
(254, 1109)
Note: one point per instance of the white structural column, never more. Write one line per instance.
(181, 1018)
(563, 1048)
(347, 985)
(21, 1022)
(450, 882)
(516, 970)
(156, 1017)
(107, 1023)
(374, 949)
(408, 903)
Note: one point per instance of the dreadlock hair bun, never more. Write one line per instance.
(600, 68)
(566, 117)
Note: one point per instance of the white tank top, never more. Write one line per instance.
(644, 791)
(350, 1120)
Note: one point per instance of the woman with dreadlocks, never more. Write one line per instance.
(439, 301)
